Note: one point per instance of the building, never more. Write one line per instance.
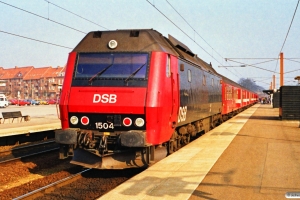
(31, 83)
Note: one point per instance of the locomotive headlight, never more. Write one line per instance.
(112, 44)
(74, 120)
(139, 122)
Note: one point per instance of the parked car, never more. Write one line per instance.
(13, 101)
(3, 101)
(32, 102)
(23, 103)
(51, 101)
(42, 102)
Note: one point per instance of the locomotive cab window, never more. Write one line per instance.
(111, 69)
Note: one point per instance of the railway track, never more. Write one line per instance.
(88, 184)
(51, 182)
(20, 152)
(51, 187)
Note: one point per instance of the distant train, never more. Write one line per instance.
(132, 96)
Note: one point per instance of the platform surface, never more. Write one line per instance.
(251, 156)
(42, 118)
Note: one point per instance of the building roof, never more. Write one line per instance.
(55, 72)
(17, 72)
(31, 73)
(1, 72)
(36, 73)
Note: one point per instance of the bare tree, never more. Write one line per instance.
(250, 84)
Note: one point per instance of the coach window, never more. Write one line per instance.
(189, 75)
(212, 82)
(168, 67)
(204, 80)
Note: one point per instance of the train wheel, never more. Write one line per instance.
(172, 147)
(172, 144)
(188, 139)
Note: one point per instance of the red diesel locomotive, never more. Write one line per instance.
(132, 96)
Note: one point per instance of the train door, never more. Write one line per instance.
(243, 98)
(239, 98)
(234, 98)
(248, 97)
(175, 90)
(169, 104)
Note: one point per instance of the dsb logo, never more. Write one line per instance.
(105, 98)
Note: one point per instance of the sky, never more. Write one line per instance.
(227, 33)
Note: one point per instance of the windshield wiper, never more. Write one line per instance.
(134, 73)
(101, 72)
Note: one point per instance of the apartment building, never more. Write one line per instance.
(31, 83)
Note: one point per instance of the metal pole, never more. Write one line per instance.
(281, 69)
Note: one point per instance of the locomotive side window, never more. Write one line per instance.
(204, 80)
(212, 82)
(189, 75)
(111, 69)
(168, 66)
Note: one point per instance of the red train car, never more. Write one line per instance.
(235, 98)
(130, 97)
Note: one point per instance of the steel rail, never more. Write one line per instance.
(28, 155)
(51, 187)
(29, 145)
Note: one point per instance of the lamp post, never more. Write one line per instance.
(298, 79)
(281, 69)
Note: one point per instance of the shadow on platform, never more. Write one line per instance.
(276, 118)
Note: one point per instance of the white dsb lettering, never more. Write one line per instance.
(182, 114)
(105, 98)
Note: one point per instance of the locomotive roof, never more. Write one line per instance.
(128, 40)
(143, 40)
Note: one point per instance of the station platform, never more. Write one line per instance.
(42, 118)
(254, 155)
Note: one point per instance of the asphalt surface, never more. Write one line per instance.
(42, 118)
(34, 111)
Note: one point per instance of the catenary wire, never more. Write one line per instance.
(202, 39)
(287, 32)
(42, 17)
(76, 14)
(290, 26)
(187, 35)
(253, 66)
(272, 59)
(35, 39)
(193, 29)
